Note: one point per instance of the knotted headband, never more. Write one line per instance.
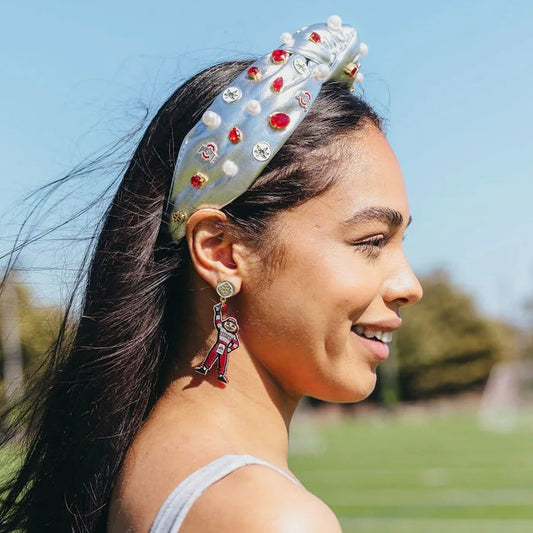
(252, 118)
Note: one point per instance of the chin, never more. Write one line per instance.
(349, 392)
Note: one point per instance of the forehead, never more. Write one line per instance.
(368, 172)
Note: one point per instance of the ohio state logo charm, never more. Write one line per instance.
(208, 152)
(304, 99)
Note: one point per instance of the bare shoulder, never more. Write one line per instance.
(258, 499)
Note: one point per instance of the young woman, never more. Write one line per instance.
(264, 265)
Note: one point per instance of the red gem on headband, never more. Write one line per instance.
(254, 73)
(315, 37)
(279, 121)
(351, 69)
(235, 135)
(277, 84)
(198, 181)
(278, 57)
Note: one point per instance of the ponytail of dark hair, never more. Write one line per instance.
(108, 366)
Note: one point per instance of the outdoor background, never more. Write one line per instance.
(446, 442)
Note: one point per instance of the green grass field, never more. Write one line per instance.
(440, 474)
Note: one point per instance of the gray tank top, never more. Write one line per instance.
(176, 506)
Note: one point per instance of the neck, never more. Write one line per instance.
(251, 414)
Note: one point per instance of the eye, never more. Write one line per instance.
(373, 245)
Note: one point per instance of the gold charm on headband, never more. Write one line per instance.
(227, 337)
(178, 217)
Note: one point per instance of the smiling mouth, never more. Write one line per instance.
(372, 334)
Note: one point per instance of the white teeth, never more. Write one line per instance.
(383, 336)
(387, 336)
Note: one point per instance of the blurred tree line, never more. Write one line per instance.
(37, 325)
(444, 346)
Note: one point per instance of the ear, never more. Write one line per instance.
(214, 254)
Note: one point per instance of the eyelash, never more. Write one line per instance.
(372, 247)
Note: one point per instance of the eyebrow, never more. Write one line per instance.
(391, 217)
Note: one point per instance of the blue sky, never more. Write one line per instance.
(453, 80)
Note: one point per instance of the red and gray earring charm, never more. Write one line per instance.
(227, 337)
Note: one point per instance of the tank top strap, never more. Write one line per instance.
(175, 508)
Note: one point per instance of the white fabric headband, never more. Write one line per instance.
(251, 119)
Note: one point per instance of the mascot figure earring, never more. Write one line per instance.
(227, 338)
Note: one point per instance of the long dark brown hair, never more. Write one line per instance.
(105, 372)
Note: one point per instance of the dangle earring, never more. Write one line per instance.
(227, 338)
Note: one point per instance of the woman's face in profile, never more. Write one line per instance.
(343, 279)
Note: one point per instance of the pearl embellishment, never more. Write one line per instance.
(230, 168)
(286, 38)
(321, 72)
(334, 22)
(211, 120)
(253, 107)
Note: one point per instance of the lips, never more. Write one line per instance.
(369, 339)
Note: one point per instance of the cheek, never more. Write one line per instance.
(308, 305)
(279, 320)
(272, 316)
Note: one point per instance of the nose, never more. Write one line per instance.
(402, 286)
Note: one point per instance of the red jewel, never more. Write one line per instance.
(278, 57)
(277, 84)
(198, 181)
(315, 37)
(279, 121)
(224, 306)
(254, 73)
(351, 70)
(235, 135)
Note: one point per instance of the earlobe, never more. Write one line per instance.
(211, 248)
